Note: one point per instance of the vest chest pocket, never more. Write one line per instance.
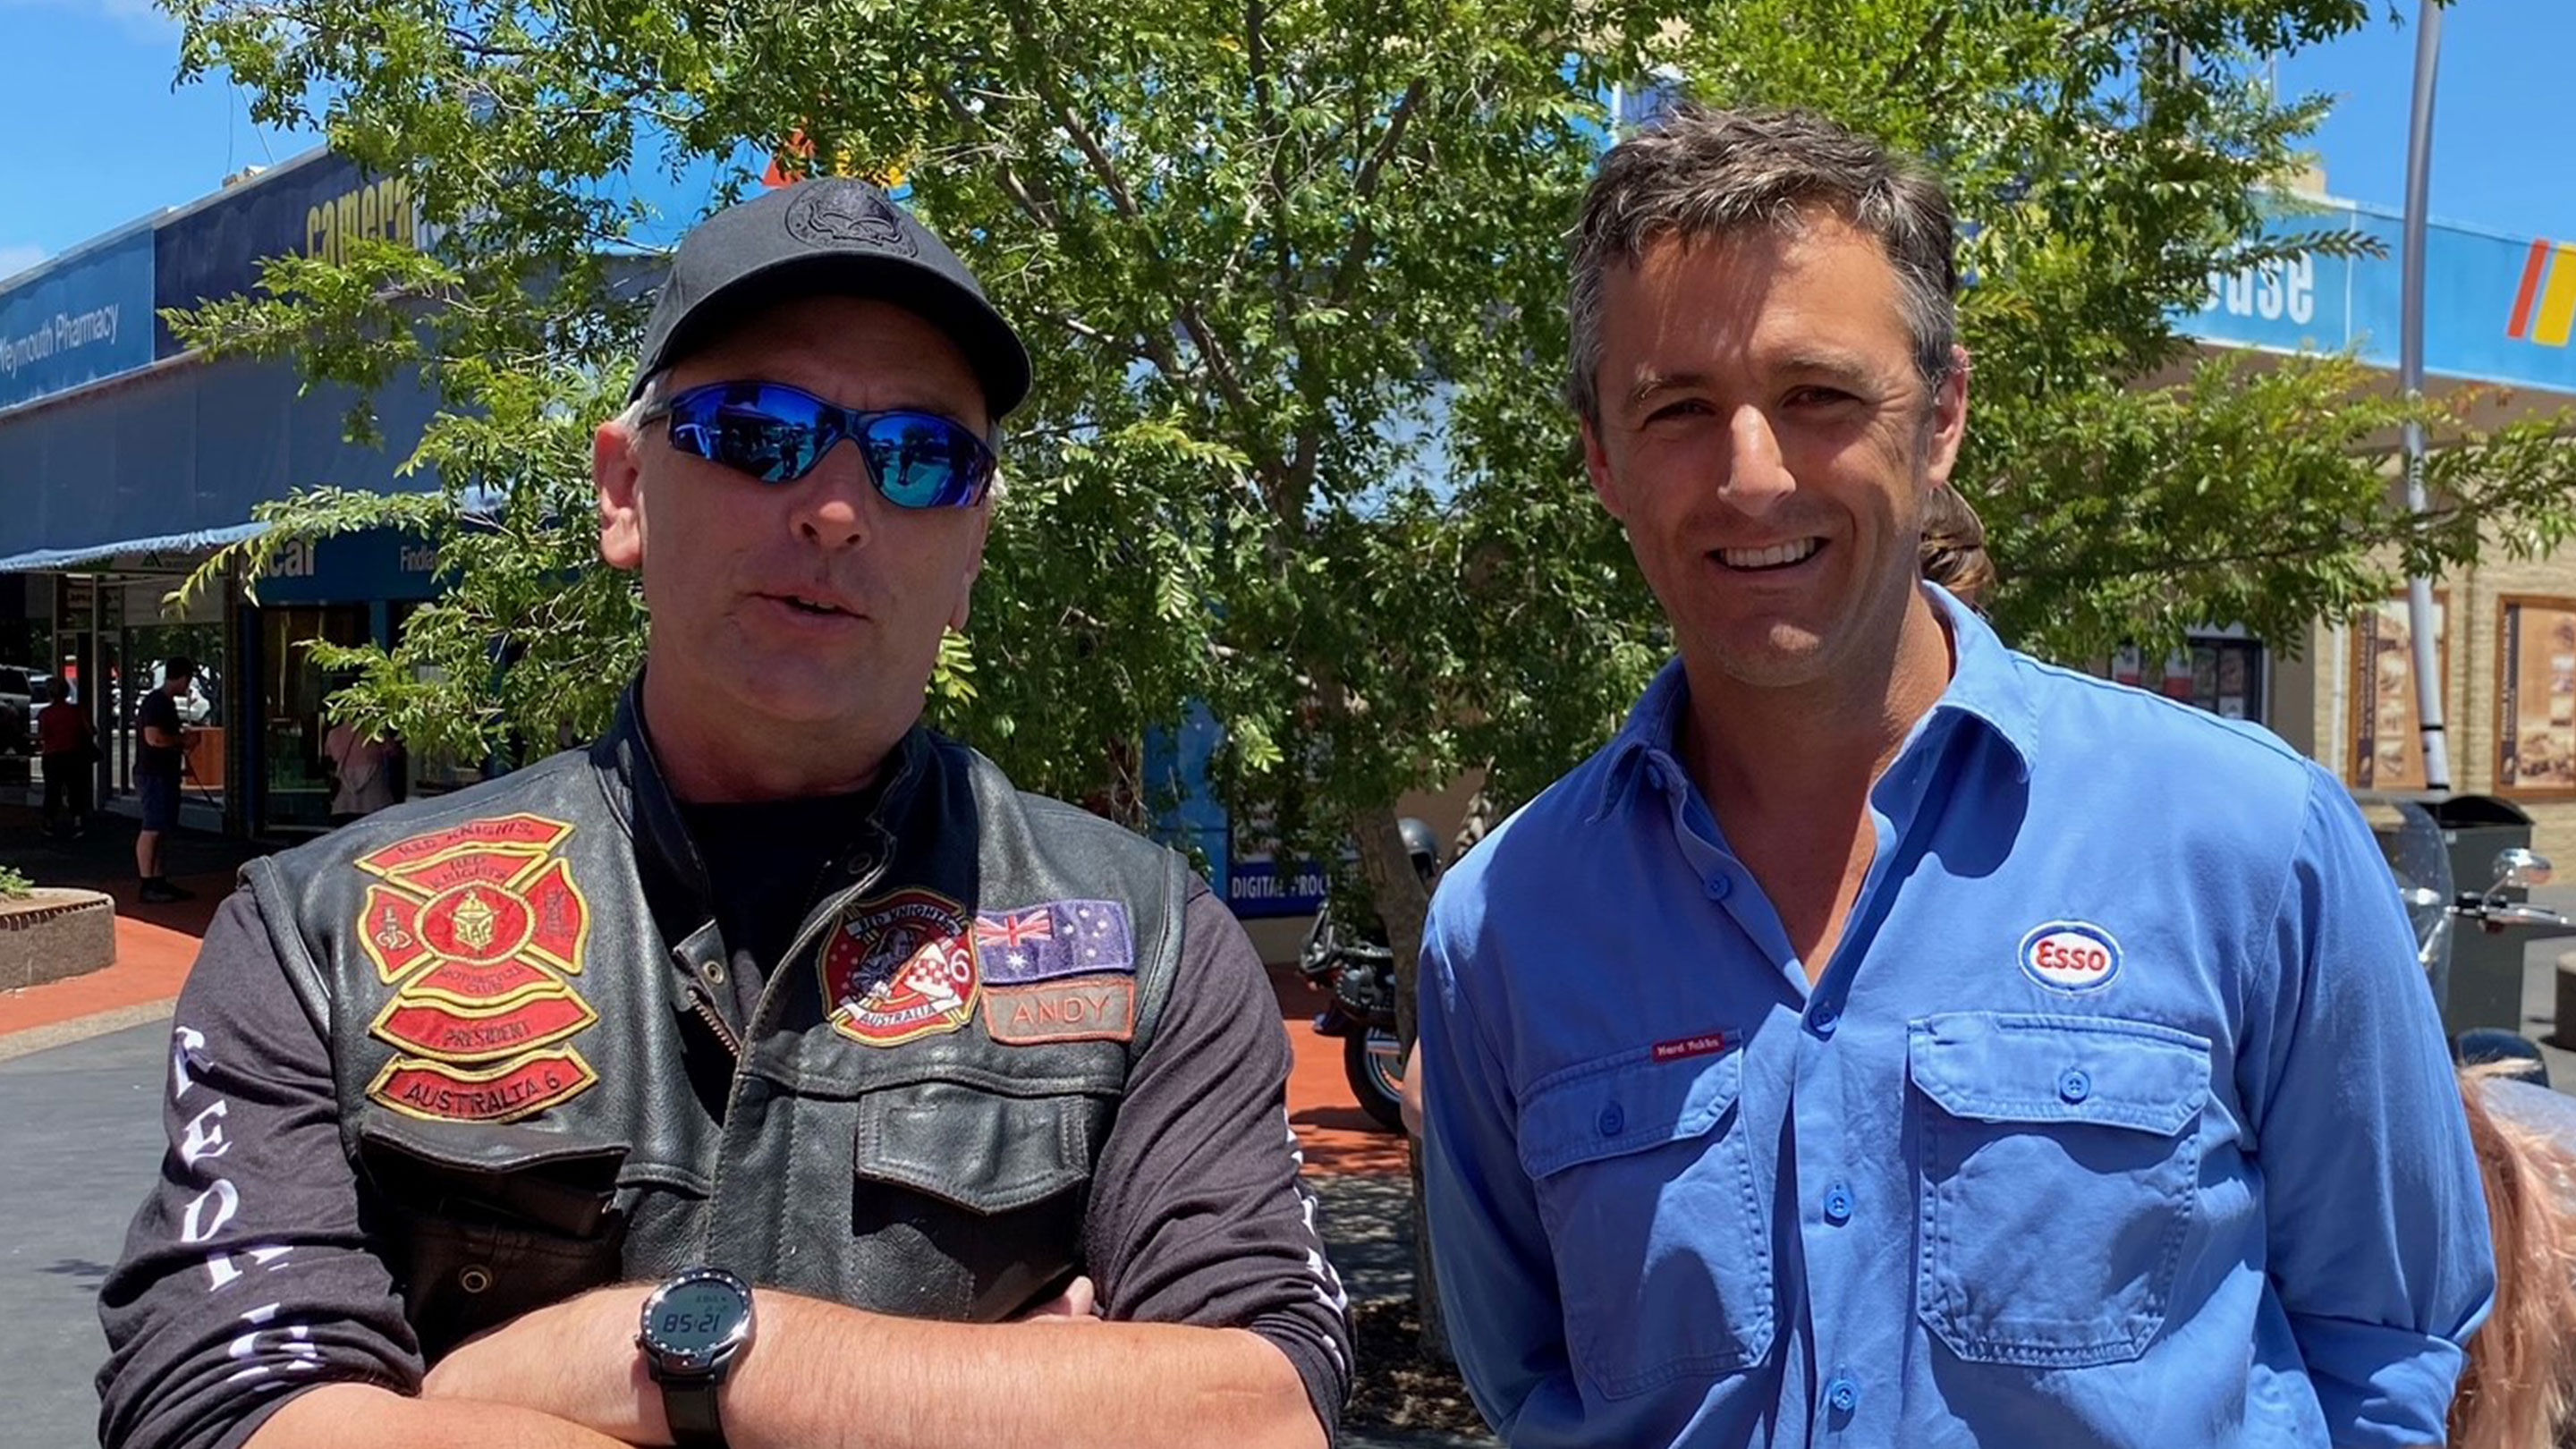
(1648, 1164)
(488, 1221)
(2057, 1163)
(970, 1201)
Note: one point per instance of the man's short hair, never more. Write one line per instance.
(1703, 173)
(178, 666)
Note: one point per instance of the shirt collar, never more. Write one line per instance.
(1987, 685)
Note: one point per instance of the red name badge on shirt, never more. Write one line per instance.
(1693, 1046)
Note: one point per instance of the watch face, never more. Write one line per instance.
(694, 1318)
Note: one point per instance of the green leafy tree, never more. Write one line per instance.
(1293, 273)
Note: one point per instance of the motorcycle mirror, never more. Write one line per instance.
(2517, 867)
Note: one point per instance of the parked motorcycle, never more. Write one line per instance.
(1357, 971)
(2422, 865)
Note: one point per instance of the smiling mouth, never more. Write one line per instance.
(1777, 556)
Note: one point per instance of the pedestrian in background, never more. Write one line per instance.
(67, 743)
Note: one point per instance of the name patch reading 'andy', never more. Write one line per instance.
(1078, 1008)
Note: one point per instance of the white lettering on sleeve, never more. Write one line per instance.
(300, 1356)
(187, 1048)
(204, 1141)
(220, 1269)
(227, 1201)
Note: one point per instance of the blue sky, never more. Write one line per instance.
(101, 138)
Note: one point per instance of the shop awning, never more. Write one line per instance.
(177, 457)
(195, 541)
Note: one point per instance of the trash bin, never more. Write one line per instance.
(2486, 967)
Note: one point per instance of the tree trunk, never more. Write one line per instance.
(1403, 904)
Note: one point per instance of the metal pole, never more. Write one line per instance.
(2410, 376)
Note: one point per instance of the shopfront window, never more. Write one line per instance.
(2220, 674)
(146, 642)
(297, 737)
(26, 628)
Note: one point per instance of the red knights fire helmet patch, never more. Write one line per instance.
(899, 968)
(478, 928)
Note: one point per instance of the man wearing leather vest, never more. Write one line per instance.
(509, 1116)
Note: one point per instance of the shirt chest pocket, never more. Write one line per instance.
(1644, 1173)
(2058, 1159)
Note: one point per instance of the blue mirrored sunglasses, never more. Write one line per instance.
(777, 434)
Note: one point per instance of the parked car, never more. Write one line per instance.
(20, 697)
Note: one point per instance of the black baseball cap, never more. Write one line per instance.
(827, 236)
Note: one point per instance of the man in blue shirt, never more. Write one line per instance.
(1889, 1039)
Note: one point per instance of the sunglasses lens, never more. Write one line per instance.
(923, 460)
(771, 433)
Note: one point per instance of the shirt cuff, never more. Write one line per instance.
(2381, 1387)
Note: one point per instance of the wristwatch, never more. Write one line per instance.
(696, 1328)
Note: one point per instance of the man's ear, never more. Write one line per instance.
(616, 472)
(974, 566)
(1596, 465)
(1948, 426)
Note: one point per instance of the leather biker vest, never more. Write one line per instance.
(541, 1083)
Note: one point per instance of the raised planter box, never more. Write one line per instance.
(53, 934)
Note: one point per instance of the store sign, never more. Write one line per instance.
(314, 209)
(78, 321)
(2496, 308)
(374, 563)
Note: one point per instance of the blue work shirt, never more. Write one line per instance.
(2121, 1114)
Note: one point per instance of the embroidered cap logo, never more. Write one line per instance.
(837, 211)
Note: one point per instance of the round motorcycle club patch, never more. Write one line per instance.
(899, 968)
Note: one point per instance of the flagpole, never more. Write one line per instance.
(2410, 376)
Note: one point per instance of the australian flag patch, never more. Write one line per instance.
(1054, 938)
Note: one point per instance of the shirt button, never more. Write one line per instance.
(1824, 1019)
(1842, 1394)
(1838, 1204)
(2074, 1084)
(1613, 1121)
(1718, 887)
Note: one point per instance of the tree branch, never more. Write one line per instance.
(1220, 365)
(1364, 190)
(1042, 211)
(1924, 49)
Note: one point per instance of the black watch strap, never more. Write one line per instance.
(690, 1404)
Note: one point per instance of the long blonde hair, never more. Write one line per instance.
(2520, 1385)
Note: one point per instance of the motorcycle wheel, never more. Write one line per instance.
(1375, 1067)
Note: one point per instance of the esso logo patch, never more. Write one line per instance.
(2070, 955)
